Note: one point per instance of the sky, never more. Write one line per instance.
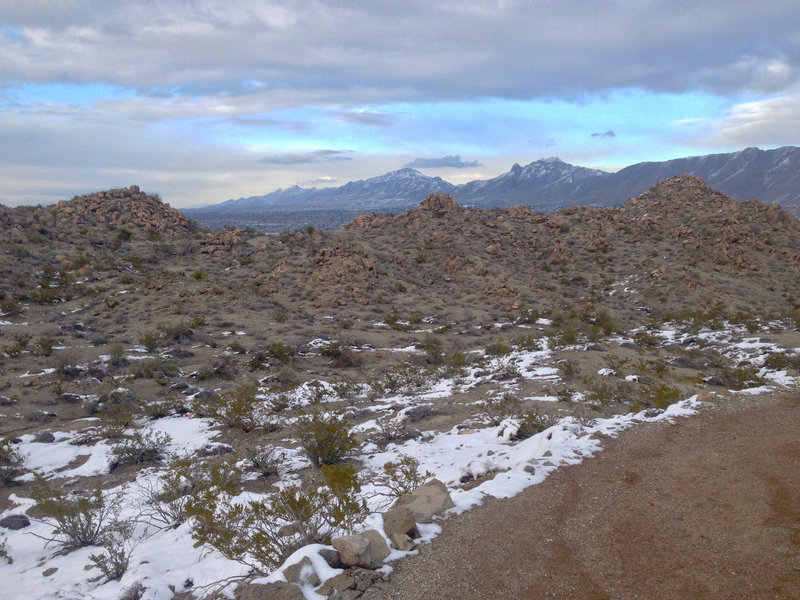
(203, 101)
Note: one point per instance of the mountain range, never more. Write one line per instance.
(772, 176)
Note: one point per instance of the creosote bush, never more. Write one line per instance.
(401, 477)
(138, 448)
(78, 519)
(325, 439)
(263, 533)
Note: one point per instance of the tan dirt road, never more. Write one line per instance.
(706, 508)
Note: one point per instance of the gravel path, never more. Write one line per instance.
(706, 508)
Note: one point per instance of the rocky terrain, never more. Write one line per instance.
(445, 352)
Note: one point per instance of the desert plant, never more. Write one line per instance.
(10, 463)
(4, 553)
(199, 275)
(531, 423)
(77, 518)
(116, 355)
(117, 548)
(401, 477)
(239, 408)
(166, 502)
(261, 534)
(139, 447)
(325, 439)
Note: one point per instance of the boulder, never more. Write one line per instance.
(367, 549)
(398, 521)
(302, 573)
(426, 501)
(15, 522)
(268, 591)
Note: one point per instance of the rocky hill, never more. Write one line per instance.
(190, 389)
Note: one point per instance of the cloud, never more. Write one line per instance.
(453, 162)
(300, 158)
(364, 117)
(324, 180)
(608, 133)
(770, 122)
(370, 53)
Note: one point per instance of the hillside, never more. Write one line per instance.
(156, 376)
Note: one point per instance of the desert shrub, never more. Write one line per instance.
(261, 534)
(176, 331)
(263, 460)
(44, 345)
(531, 423)
(154, 368)
(401, 477)
(10, 463)
(138, 448)
(782, 360)
(77, 518)
(646, 339)
(390, 430)
(505, 369)
(116, 355)
(280, 352)
(562, 338)
(199, 275)
(237, 347)
(393, 321)
(325, 439)
(4, 553)
(150, 340)
(568, 369)
(500, 408)
(166, 502)
(498, 348)
(117, 548)
(239, 408)
(739, 377)
(432, 347)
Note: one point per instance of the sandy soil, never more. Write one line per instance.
(706, 508)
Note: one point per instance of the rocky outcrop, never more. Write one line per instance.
(440, 203)
(127, 208)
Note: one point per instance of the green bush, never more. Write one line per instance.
(138, 448)
(78, 519)
(239, 408)
(199, 275)
(262, 534)
(324, 439)
(401, 477)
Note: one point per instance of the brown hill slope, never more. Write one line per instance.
(680, 246)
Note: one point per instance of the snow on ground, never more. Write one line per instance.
(473, 462)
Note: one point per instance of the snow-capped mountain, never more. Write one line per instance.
(771, 176)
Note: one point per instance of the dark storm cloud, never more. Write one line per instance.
(453, 162)
(307, 157)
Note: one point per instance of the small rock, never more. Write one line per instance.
(15, 522)
(331, 557)
(44, 437)
(399, 521)
(268, 591)
(302, 573)
(367, 549)
(50, 571)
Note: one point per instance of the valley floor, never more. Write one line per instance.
(705, 507)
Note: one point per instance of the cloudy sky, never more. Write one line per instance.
(202, 101)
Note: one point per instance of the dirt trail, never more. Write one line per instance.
(706, 508)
